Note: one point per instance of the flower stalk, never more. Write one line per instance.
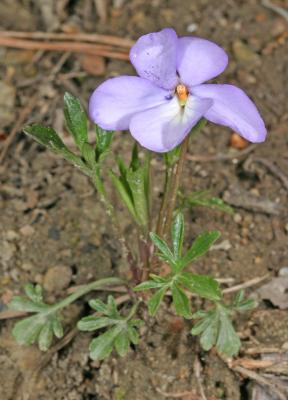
(173, 179)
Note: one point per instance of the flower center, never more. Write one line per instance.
(182, 94)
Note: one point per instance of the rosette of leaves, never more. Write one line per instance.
(120, 332)
(178, 281)
(215, 328)
(90, 157)
(42, 325)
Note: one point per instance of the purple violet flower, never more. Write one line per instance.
(161, 106)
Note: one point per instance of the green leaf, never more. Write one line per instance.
(20, 303)
(214, 203)
(45, 337)
(209, 335)
(181, 302)
(46, 136)
(89, 155)
(199, 247)
(155, 300)
(103, 141)
(76, 119)
(124, 194)
(178, 234)
(112, 307)
(160, 279)
(122, 343)
(242, 304)
(246, 305)
(34, 292)
(148, 285)
(27, 330)
(215, 328)
(98, 305)
(49, 138)
(135, 162)
(133, 335)
(163, 247)
(136, 182)
(228, 342)
(39, 327)
(201, 325)
(57, 328)
(203, 285)
(93, 323)
(102, 346)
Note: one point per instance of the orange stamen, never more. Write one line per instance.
(182, 93)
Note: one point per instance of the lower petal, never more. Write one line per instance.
(113, 103)
(233, 108)
(162, 128)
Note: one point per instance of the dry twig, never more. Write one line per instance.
(245, 285)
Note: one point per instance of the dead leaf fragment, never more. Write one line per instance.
(276, 291)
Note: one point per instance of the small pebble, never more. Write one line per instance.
(12, 235)
(192, 27)
(237, 218)
(27, 230)
(283, 271)
(57, 278)
(27, 266)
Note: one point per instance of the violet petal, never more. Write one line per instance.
(199, 60)
(162, 128)
(114, 102)
(154, 57)
(233, 108)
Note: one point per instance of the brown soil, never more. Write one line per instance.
(50, 215)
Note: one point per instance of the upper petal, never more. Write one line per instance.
(114, 102)
(233, 108)
(199, 60)
(162, 128)
(154, 57)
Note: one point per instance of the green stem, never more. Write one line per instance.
(100, 284)
(112, 214)
(173, 178)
